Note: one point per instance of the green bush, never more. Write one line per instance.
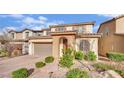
(39, 64)
(20, 73)
(103, 67)
(120, 72)
(79, 55)
(77, 73)
(66, 61)
(49, 59)
(90, 56)
(68, 51)
(116, 56)
(3, 53)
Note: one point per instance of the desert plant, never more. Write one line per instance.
(90, 56)
(103, 67)
(77, 73)
(49, 59)
(66, 61)
(39, 64)
(20, 73)
(67, 58)
(79, 55)
(68, 51)
(3, 53)
(120, 72)
(114, 56)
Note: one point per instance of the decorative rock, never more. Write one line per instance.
(91, 68)
(113, 74)
(94, 74)
(105, 75)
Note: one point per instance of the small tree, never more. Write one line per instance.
(5, 41)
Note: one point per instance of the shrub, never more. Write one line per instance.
(120, 72)
(116, 56)
(90, 56)
(40, 64)
(66, 61)
(20, 73)
(79, 55)
(77, 73)
(3, 53)
(49, 59)
(103, 67)
(68, 51)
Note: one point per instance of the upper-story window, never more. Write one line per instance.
(106, 31)
(13, 35)
(79, 28)
(61, 29)
(39, 33)
(26, 34)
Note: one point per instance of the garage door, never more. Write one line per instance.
(43, 49)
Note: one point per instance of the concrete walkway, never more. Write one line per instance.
(11, 64)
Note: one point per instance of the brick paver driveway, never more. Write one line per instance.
(11, 64)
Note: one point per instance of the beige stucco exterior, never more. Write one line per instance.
(112, 38)
(19, 36)
(52, 41)
(56, 43)
(120, 25)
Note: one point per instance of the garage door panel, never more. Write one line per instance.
(43, 49)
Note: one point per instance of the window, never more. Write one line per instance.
(39, 34)
(13, 35)
(84, 46)
(26, 34)
(61, 29)
(106, 31)
(79, 28)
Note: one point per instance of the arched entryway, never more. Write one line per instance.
(63, 45)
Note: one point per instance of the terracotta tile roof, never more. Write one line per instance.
(40, 37)
(64, 33)
(75, 24)
(46, 29)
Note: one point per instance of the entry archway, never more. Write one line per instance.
(63, 45)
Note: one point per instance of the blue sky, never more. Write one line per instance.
(39, 21)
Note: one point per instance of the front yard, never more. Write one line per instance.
(67, 67)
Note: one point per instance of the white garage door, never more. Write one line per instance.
(43, 49)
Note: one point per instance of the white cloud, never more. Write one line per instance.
(31, 20)
(109, 15)
(37, 27)
(9, 28)
(42, 18)
(54, 23)
(6, 29)
(26, 21)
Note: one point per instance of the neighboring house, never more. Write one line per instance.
(20, 39)
(77, 36)
(112, 39)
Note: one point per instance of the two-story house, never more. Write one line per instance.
(112, 39)
(77, 36)
(19, 40)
